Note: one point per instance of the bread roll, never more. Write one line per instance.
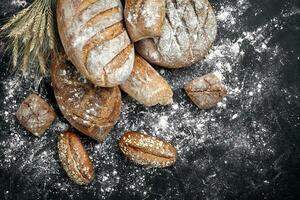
(146, 85)
(35, 115)
(188, 33)
(75, 159)
(206, 91)
(90, 109)
(144, 18)
(147, 150)
(95, 39)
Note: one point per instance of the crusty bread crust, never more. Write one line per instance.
(146, 85)
(188, 33)
(144, 18)
(90, 109)
(94, 39)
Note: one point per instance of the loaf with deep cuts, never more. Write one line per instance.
(95, 39)
(188, 33)
(90, 109)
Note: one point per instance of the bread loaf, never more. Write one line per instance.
(90, 109)
(144, 18)
(75, 159)
(188, 33)
(206, 91)
(147, 150)
(95, 39)
(146, 85)
(35, 115)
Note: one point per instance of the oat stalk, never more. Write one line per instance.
(31, 35)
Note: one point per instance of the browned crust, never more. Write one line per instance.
(75, 159)
(106, 102)
(147, 150)
(102, 15)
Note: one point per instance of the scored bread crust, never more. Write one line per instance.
(146, 85)
(144, 18)
(90, 109)
(95, 40)
(75, 159)
(188, 33)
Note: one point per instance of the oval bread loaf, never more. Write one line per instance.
(188, 33)
(75, 159)
(95, 40)
(90, 109)
(147, 150)
(144, 18)
(146, 85)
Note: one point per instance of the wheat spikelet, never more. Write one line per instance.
(15, 19)
(50, 32)
(15, 51)
(42, 62)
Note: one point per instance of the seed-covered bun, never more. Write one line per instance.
(147, 150)
(144, 18)
(95, 40)
(188, 33)
(146, 85)
(90, 109)
(75, 159)
(206, 91)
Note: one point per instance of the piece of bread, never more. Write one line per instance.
(146, 85)
(147, 150)
(188, 33)
(35, 115)
(144, 18)
(90, 109)
(206, 91)
(75, 159)
(95, 40)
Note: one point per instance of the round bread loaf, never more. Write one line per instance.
(188, 33)
(90, 109)
(95, 40)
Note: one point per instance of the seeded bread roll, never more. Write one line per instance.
(147, 150)
(75, 159)
(188, 33)
(95, 39)
(90, 109)
(144, 18)
(146, 85)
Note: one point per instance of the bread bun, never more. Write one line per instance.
(90, 109)
(144, 18)
(188, 33)
(146, 85)
(95, 40)
(75, 159)
(147, 150)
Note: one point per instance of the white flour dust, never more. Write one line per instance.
(192, 131)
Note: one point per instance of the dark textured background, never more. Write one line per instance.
(30, 169)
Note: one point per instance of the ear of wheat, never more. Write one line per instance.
(31, 35)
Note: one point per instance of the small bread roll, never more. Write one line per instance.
(206, 91)
(95, 39)
(146, 85)
(90, 109)
(75, 159)
(188, 33)
(144, 18)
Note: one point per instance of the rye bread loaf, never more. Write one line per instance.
(95, 40)
(144, 18)
(90, 109)
(188, 33)
(75, 159)
(147, 150)
(146, 85)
